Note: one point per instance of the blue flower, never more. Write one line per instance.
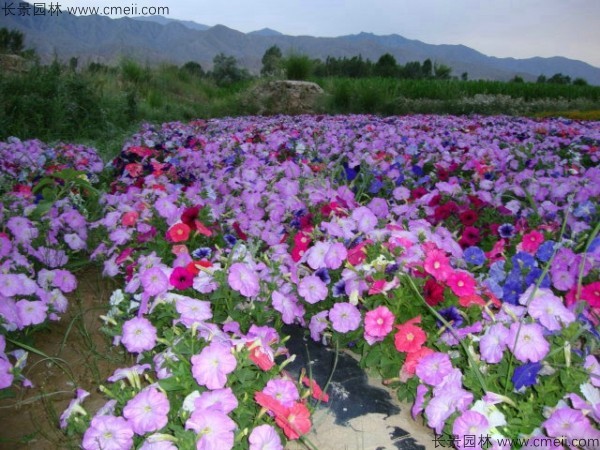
(202, 253)
(506, 230)
(375, 186)
(417, 170)
(584, 210)
(339, 288)
(399, 180)
(497, 271)
(533, 275)
(323, 274)
(452, 315)
(230, 239)
(522, 261)
(594, 245)
(474, 255)
(493, 286)
(350, 172)
(544, 252)
(511, 293)
(526, 375)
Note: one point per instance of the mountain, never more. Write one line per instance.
(157, 39)
(166, 21)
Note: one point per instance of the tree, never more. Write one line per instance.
(11, 41)
(517, 79)
(559, 78)
(271, 62)
(464, 76)
(580, 82)
(442, 71)
(298, 67)
(193, 68)
(427, 69)
(542, 79)
(386, 66)
(225, 70)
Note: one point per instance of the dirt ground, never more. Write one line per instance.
(82, 357)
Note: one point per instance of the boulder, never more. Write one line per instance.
(13, 63)
(286, 97)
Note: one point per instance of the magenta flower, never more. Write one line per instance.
(192, 311)
(282, 390)
(530, 344)
(139, 335)
(222, 400)
(433, 368)
(211, 366)
(312, 289)
(244, 280)
(147, 411)
(108, 433)
(461, 283)
(215, 429)
(437, 264)
(181, 278)
(378, 323)
(344, 317)
(493, 343)
(31, 313)
(154, 281)
(264, 437)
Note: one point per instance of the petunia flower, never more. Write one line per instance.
(154, 281)
(192, 311)
(178, 232)
(147, 411)
(312, 289)
(344, 317)
(378, 324)
(470, 424)
(139, 335)
(461, 283)
(222, 400)
(264, 437)
(433, 368)
(295, 421)
(244, 280)
(108, 433)
(214, 429)
(570, 423)
(181, 278)
(31, 312)
(409, 337)
(282, 390)
(591, 294)
(437, 264)
(211, 366)
(527, 342)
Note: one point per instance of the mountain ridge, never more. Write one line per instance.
(158, 39)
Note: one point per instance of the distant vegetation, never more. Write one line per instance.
(99, 104)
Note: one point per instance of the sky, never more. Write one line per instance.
(503, 28)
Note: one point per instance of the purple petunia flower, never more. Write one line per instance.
(470, 423)
(287, 306)
(211, 366)
(527, 342)
(344, 317)
(547, 308)
(433, 368)
(264, 437)
(147, 411)
(365, 219)
(215, 430)
(570, 423)
(154, 281)
(139, 335)
(64, 280)
(6, 375)
(108, 433)
(222, 400)
(282, 390)
(31, 313)
(192, 311)
(312, 289)
(244, 280)
(318, 324)
(335, 256)
(526, 375)
(493, 343)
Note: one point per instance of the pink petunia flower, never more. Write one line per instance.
(531, 241)
(409, 337)
(139, 335)
(181, 278)
(591, 294)
(147, 411)
(378, 323)
(211, 366)
(437, 264)
(244, 280)
(461, 283)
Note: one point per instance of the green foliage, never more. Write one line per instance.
(193, 68)
(298, 67)
(226, 71)
(11, 41)
(386, 66)
(271, 62)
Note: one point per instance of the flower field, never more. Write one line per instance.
(458, 258)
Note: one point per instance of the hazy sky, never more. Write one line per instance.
(518, 28)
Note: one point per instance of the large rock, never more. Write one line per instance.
(286, 97)
(13, 63)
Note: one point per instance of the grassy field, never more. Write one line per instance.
(101, 106)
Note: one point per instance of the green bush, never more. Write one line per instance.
(298, 67)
